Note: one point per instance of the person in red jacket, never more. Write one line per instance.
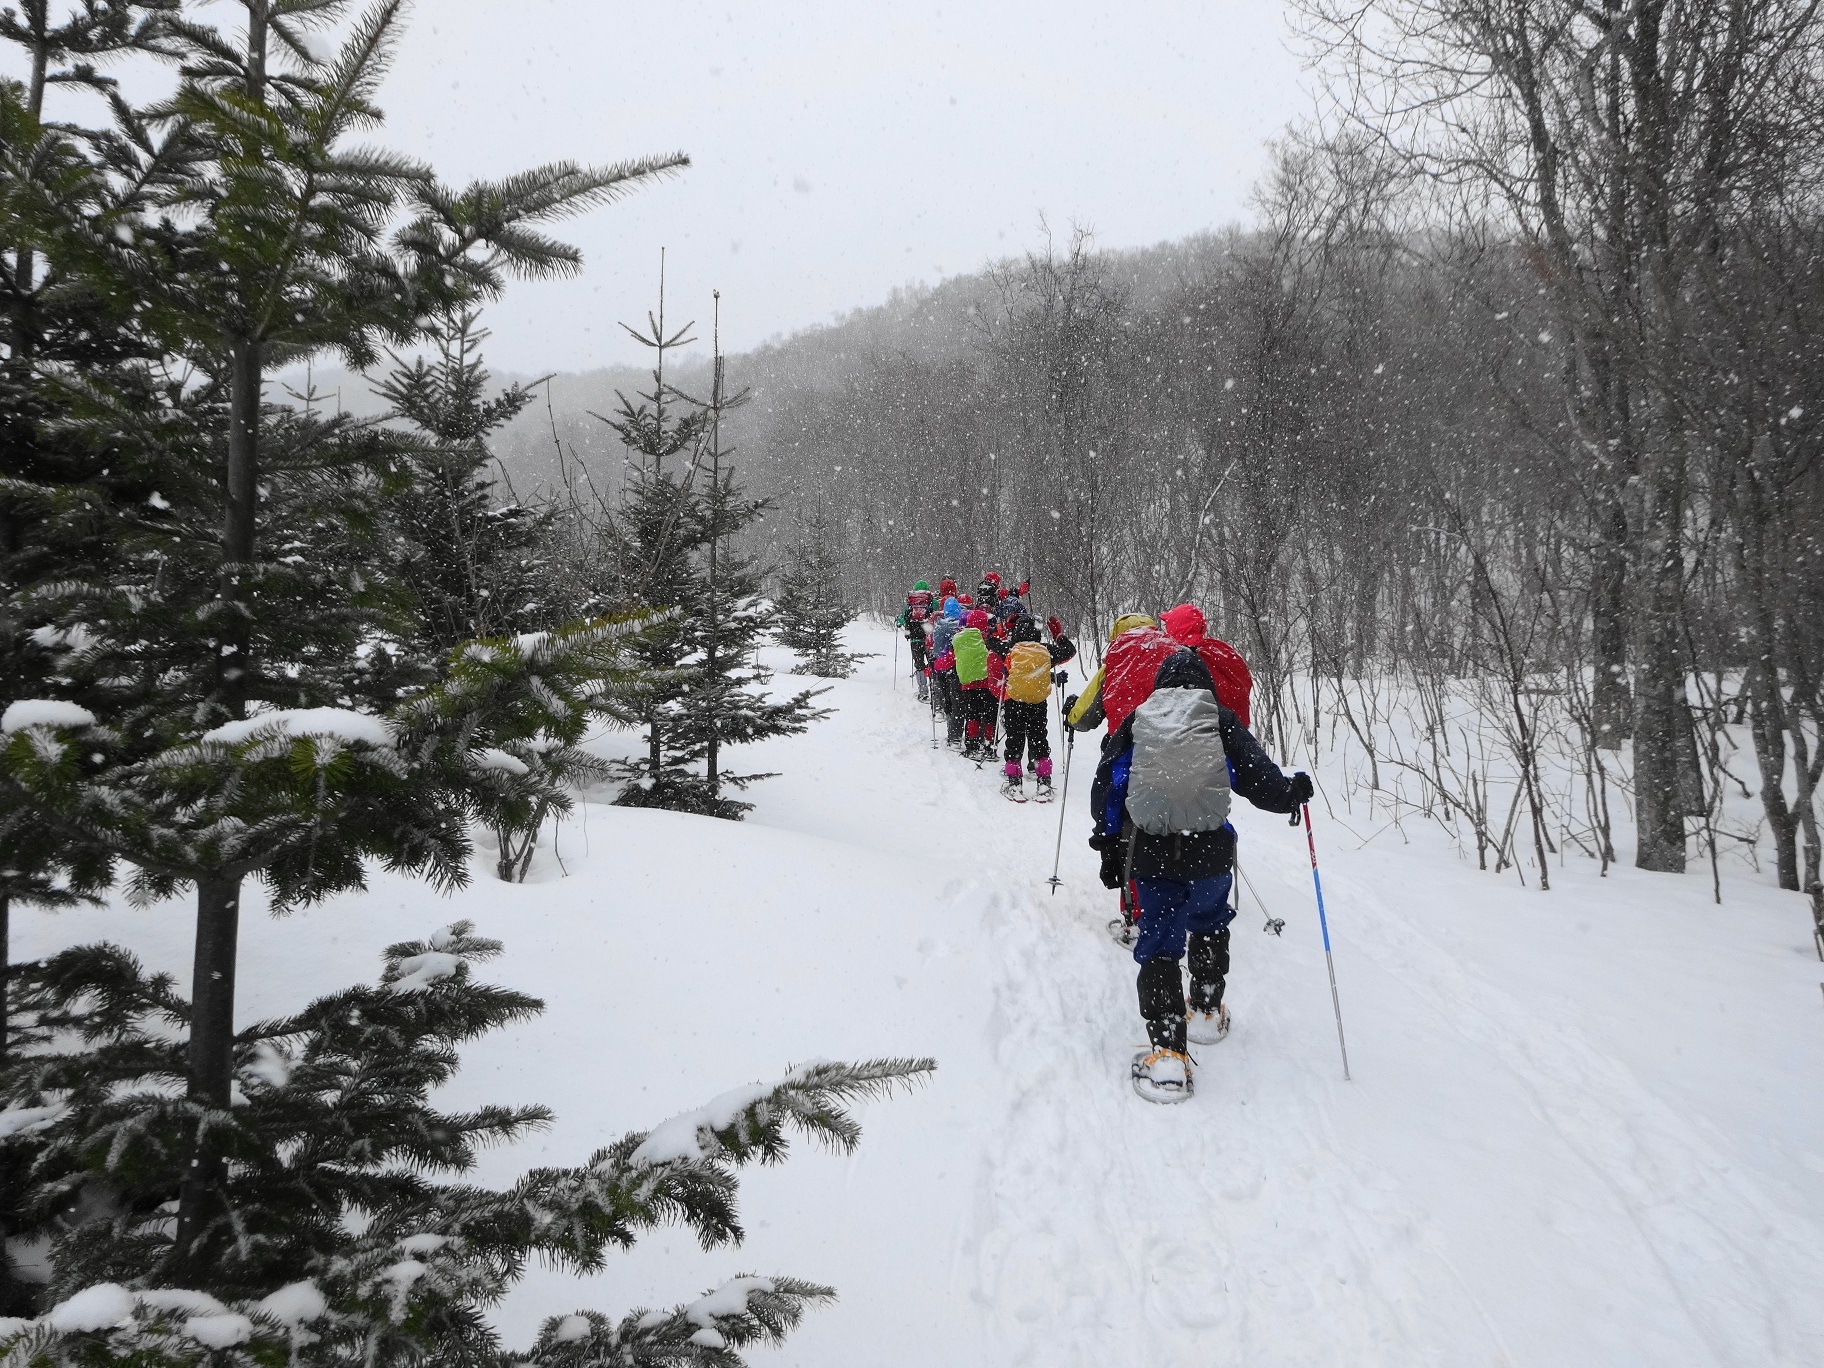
(1187, 626)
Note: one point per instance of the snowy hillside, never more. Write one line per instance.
(1583, 1127)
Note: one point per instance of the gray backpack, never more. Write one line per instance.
(1179, 777)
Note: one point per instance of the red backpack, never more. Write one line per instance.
(1129, 669)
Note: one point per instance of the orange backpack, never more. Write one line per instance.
(1029, 673)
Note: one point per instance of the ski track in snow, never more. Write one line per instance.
(1282, 1215)
(1529, 1169)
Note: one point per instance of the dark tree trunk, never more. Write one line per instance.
(1662, 724)
(218, 922)
(1611, 706)
(6, 964)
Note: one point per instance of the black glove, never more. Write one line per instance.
(1301, 788)
(1070, 704)
(1113, 862)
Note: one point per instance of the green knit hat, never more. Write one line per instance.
(922, 585)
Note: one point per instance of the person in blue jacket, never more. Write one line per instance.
(1181, 881)
(949, 693)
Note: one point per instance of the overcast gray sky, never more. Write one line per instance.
(840, 149)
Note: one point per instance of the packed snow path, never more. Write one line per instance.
(1583, 1128)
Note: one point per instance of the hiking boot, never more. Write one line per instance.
(1206, 1028)
(1162, 1075)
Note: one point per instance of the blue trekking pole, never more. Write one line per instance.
(1324, 923)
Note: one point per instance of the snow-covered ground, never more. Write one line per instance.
(1584, 1128)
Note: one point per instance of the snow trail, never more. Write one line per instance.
(1496, 1187)
(1582, 1129)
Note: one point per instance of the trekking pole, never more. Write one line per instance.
(1057, 855)
(1274, 925)
(896, 662)
(931, 699)
(1322, 921)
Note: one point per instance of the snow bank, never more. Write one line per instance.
(43, 712)
(340, 723)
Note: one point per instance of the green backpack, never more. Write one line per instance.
(971, 656)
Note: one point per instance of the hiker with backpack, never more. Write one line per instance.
(974, 665)
(1030, 661)
(919, 605)
(945, 626)
(1161, 801)
(1137, 646)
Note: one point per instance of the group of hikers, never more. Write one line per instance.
(1174, 706)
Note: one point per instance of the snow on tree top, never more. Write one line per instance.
(23, 1120)
(340, 723)
(570, 1329)
(730, 1299)
(677, 1138)
(418, 972)
(494, 758)
(100, 1307)
(294, 1303)
(43, 712)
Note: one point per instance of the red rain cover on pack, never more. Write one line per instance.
(1129, 669)
(1133, 661)
(1234, 681)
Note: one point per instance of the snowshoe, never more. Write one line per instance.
(1013, 790)
(1041, 791)
(1206, 1028)
(1162, 1076)
(1123, 932)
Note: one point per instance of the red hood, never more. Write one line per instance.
(1185, 623)
(977, 619)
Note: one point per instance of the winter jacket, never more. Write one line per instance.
(919, 605)
(1184, 856)
(996, 681)
(1186, 625)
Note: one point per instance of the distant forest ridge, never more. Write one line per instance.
(929, 323)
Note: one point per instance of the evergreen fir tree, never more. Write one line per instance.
(289, 247)
(346, 1228)
(469, 559)
(61, 496)
(677, 551)
(813, 604)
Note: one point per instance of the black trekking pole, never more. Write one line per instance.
(1057, 855)
(931, 699)
(1274, 925)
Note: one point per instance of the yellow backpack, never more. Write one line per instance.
(1029, 673)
